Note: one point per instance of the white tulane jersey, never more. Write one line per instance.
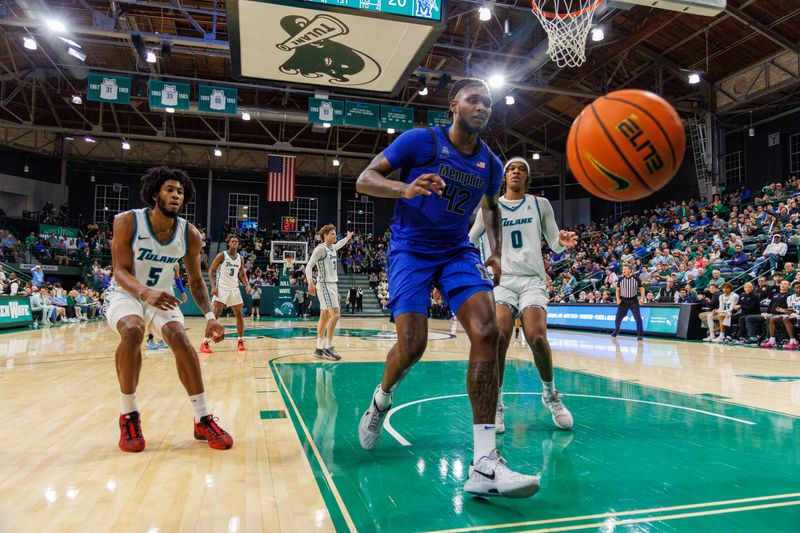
(154, 262)
(228, 272)
(325, 260)
(524, 223)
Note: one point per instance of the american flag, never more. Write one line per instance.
(280, 187)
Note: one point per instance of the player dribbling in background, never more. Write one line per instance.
(522, 291)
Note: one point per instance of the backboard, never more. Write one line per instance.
(708, 8)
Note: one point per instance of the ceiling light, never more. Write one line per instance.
(496, 81)
(27, 168)
(151, 56)
(510, 100)
(751, 132)
(507, 28)
(126, 145)
(423, 91)
(29, 43)
(217, 152)
(170, 110)
(336, 162)
(422, 85)
(56, 26)
(536, 156)
(69, 138)
(77, 54)
(484, 13)
(69, 41)
(326, 124)
(694, 78)
(89, 140)
(598, 34)
(390, 131)
(245, 116)
(77, 100)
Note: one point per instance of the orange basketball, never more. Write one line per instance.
(626, 145)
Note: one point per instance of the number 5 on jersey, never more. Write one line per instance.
(154, 275)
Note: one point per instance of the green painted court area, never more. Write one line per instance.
(638, 459)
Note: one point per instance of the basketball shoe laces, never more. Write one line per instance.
(555, 403)
(133, 427)
(376, 420)
(210, 422)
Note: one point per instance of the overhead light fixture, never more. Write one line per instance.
(423, 91)
(217, 152)
(151, 57)
(26, 169)
(441, 85)
(126, 145)
(507, 28)
(166, 50)
(598, 34)
(326, 124)
(69, 138)
(89, 140)
(170, 110)
(496, 81)
(751, 132)
(510, 100)
(77, 54)
(69, 42)
(56, 26)
(694, 78)
(390, 131)
(422, 85)
(536, 156)
(29, 43)
(484, 13)
(336, 162)
(76, 99)
(245, 116)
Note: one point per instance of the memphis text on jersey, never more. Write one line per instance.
(148, 255)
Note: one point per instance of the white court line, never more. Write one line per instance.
(399, 438)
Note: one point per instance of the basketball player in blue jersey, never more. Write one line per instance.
(147, 243)
(443, 174)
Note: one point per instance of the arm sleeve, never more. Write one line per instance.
(179, 284)
(312, 261)
(477, 230)
(549, 226)
(341, 244)
(412, 146)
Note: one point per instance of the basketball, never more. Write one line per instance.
(626, 145)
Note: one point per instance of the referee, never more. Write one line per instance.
(627, 289)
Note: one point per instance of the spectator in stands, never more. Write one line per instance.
(763, 291)
(351, 299)
(779, 309)
(748, 306)
(740, 259)
(716, 279)
(37, 276)
(722, 314)
(709, 299)
(359, 299)
(13, 284)
(789, 273)
(668, 293)
(773, 253)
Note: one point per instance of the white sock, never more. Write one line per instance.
(206, 340)
(241, 338)
(328, 343)
(320, 343)
(127, 403)
(499, 396)
(484, 440)
(383, 399)
(548, 388)
(773, 340)
(199, 406)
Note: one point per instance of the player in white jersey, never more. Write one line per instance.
(326, 288)
(146, 246)
(224, 274)
(523, 285)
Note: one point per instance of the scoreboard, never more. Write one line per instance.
(421, 9)
(289, 223)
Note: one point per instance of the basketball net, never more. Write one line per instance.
(287, 265)
(567, 27)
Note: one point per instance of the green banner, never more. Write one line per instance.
(164, 94)
(217, 100)
(363, 114)
(399, 118)
(15, 312)
(321, 110)
(59, 231)
(110, 89)
(438, 118)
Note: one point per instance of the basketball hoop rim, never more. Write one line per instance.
(545, 14)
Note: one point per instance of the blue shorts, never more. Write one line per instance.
(415, 269)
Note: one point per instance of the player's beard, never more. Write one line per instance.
(166, 210)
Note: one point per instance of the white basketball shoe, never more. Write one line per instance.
(561, 415)
(371, 424)
(490, 476)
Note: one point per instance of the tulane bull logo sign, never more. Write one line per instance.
(315, 54)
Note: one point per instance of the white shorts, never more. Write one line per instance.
(328, 294)
(123, 304)
(228, 298)
(521, 292)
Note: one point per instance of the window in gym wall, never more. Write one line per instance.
(109, 201)
(189, 212)
(242, 208)
(733, 168)
(794, 153)
(305, 211)
(360, 216)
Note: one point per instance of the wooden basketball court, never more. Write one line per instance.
(669, 435)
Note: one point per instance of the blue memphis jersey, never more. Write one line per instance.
(440, 220)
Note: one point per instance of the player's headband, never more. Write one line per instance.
(516, 160)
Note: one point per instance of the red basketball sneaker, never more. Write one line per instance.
(208, 429)
(205, 348)
(241, 346)
(130, 432)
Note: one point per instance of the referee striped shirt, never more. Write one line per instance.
(629, 287)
